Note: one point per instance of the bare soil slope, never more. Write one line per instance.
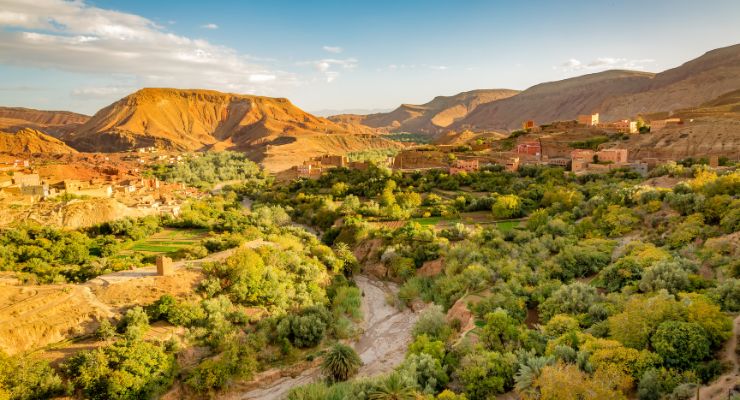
(28, 140)
(54, 123)
(712, 128)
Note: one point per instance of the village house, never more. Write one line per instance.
(559, 162)
(621, 126)
(419, 159)
(512, 164)
(579, 164)
(616, 156)
(464, 166)
(583, 154)
(588, 120)
(21, 179)
(659, 124)
(330, 160)
(150, 183)
(531, 148)
(309, 168)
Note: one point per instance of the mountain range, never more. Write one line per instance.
(614, 94)
(279, 134)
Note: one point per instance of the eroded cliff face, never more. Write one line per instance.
(192, 120)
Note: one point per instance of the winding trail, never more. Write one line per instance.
(720, 387)
(382, 345)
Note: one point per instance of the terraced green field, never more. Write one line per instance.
(167, 241)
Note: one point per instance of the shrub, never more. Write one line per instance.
(432, 323)
(340, 363)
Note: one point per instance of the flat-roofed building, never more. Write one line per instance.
(531, 148)
(583, 154)
(512, 164)
(659, 124)
(464, 166)
(588, 119)
(616, 156)
(22, 179)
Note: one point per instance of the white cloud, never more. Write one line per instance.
(209, 26)
(604, 63)
(74, 36)
(333, 49)
(262, 77)
(102, 91)
(438, 67)
(327, 66)
(572, 63)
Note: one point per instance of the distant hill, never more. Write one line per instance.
(28, 140)
(431, 118)
(186, 120)
(56, 123)
(614, 94)
(712, 128)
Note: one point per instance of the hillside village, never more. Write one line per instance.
(561, 143)
(43, 179)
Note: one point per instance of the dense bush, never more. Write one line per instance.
(125, 369)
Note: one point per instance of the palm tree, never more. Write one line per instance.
(394, 387)
(341, 363)
(528, 372)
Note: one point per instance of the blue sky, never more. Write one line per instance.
(83, 55)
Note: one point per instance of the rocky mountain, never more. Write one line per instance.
(430, 118)
(55, 123)
(614, 94)
(180, 120)
(29, 140)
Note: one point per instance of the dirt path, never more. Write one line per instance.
(722, 385)
(382, 346)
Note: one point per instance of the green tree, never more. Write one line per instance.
(484, 374)
(507, 206)
(681, 344)
(573, 299)
(668, 275)
(501, 332)
(26, 378)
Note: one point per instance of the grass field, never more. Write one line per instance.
(505, 226)
(167, 241)
(470, 218)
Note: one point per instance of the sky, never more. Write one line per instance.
(337, 55)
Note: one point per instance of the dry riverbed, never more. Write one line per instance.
(382, 345)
